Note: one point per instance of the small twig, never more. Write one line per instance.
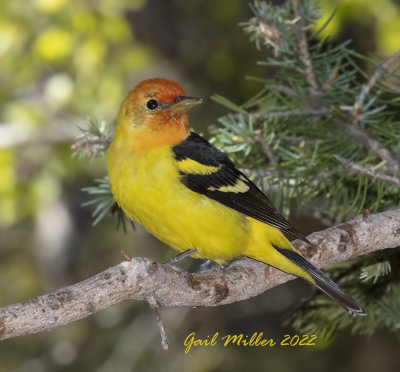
(374, 146)
(156, 311)
(366, 213)
(301, 142)
(380, 71)
(263, 172)
(305, 54)
(85, 143)
(282, 88)
(258, 137)
(125, 255)
(393, 87)
(307, 111)
(367, 171)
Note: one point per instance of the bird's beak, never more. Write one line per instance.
(183, 104)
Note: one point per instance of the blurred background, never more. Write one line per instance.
(61, 61)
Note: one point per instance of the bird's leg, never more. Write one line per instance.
(172, 261)
(180, 256)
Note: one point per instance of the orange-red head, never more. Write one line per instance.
(155, 114)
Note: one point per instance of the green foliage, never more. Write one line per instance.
(302, 139)
(93, 140)
(104, 203)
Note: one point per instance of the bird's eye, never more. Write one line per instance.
(152, 104)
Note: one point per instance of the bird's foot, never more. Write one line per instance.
(207, 266)
(174, 267)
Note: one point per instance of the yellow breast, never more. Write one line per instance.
(147, 187)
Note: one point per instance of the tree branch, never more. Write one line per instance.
(368, 171)
(305, 54)
(143, 279)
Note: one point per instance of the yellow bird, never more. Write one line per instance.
(191, 196)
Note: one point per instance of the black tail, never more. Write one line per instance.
(324, 283)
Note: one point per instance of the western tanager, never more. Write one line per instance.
(191, 196)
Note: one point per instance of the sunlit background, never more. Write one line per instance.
(61, 61)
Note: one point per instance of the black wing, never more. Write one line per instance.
(206, 170)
